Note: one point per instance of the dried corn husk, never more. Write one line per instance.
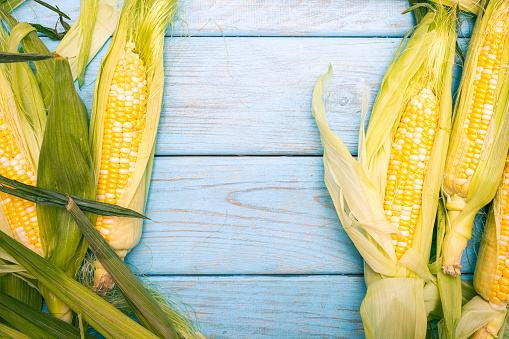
(395, 288)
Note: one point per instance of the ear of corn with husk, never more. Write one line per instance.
(486, 313)
(88, 34)
(125, 116)
(386, 203)
(65, 165)
(22, 121)
(480, 140)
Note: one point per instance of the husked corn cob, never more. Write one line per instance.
(16, 164)
(466, 153)
(479, 141)
(409, 158)
(491, 279)
(123, 130)
(500, 287)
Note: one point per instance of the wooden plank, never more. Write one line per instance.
(268, 18)
(245, 215)
(272, 307)
(253, 95)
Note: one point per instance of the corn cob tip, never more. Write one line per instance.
(454, 245)
(55, 306)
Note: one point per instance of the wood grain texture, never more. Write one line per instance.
(272, 307)
(379, 18)
(250, 96)
(245, 215)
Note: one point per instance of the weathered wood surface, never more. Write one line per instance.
(331, 18)
(245, 215)
(312, 306)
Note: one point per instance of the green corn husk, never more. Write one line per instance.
(395, 288)
(102, 316)
(88, 34)
(11, 5)
(148, 306)
(142, 23)
(31, 43)
(34, 323)
(8, 332)
(65, 165)
(161, 318)
(463, 205)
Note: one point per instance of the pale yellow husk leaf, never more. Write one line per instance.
(395, 289)
(78, 40)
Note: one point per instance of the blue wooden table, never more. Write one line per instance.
(243, 230)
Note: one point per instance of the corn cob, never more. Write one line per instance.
(491, 278)
(21, 130)
(409, 158)
(125, 115)
(387, 201)
(479, 141)
(15, 164)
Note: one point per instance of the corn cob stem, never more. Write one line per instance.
(491, 329)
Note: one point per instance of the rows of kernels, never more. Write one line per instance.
(123, 130)
(409, 158)
(21, 214)
(500, 287)
(481, 109)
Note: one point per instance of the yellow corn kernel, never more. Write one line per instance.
(410, 153)
(121, 136)
(21, 214)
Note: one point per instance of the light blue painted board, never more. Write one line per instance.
(379, 18)
(272, 307)
(253, 95)
(245, 215)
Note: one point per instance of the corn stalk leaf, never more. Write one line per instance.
(51, 33)
(53, 198)
(35, 323)
(54, 9)
(101, 315)
(18, 288)
(147, 310)
(10, 5)
(6, 57)
(8, 332)
(32, 43)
